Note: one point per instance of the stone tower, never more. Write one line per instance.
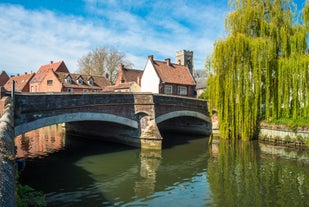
(185, 57)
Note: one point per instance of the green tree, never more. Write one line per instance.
(261, 67)
(102, 61)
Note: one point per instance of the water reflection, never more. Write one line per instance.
(40, 142)
(188, 172)
(243, 177)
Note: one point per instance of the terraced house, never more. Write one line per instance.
(55, 77)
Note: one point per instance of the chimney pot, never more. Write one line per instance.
(168, 61)
(150, 57)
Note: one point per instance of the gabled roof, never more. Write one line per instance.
(99, 82)
(20, 82)
(3, 78)
(173, 73)
(43, 70)
(129, 75)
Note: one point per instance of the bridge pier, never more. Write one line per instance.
(144, 108)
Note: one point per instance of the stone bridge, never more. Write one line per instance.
(131, 118)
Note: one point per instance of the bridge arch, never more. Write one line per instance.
(71, 117)
(184, 113)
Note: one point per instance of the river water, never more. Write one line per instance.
(77, 171)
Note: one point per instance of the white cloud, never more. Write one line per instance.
(30, 38)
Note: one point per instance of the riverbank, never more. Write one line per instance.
(279, 134)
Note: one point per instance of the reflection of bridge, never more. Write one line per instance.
(137, 116)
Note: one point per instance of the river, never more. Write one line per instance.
(77, 171)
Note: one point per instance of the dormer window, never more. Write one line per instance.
(80, 81)
(68, 80)
(90, 81)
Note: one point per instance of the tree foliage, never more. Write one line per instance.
(102, 61)
(261, 67)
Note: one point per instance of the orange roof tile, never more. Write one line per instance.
(41, 73)
(173, 73)
(20, 82)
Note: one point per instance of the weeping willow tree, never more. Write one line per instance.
(261, 67)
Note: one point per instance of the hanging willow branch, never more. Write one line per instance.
(261, 68)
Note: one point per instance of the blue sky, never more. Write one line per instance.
(34, 32)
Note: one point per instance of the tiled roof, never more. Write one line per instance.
(118, 87)
(130, 75)
(173, 73)
(3, 78)
(20, 82)
(41, 73)
(99, 82)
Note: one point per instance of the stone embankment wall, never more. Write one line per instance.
(7, 154)
(283, 135)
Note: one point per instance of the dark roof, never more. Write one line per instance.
(3, 78)
(99, 82)
(131, 75)
(173, 73)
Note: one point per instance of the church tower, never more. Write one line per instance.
(185, 57)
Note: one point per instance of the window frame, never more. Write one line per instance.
(49, 82)
(168, 89)
(182, 90)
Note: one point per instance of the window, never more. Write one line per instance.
(182, 90)
(68, 80)
(80, 81)
(85, 90)
(168, 89)
(90, 82)
(70, 89)
(49, 82)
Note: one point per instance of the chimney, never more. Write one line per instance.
(121, 67)
(51, 62)
(150, 57)
(168, 61)
(26, 73)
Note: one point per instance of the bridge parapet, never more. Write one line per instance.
(166, 104)
(139, 113)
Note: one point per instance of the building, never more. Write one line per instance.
(168, 78)
(35, 84)
(123, 87)
(22, 82)
(3, 78)
(200, 85)
(126, 75)
(70, 82)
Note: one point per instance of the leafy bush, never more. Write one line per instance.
(27, 196)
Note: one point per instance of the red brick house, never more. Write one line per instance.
(22, 83)
(3, 78)
(70, 82)
(167, 78)
(35, 84)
